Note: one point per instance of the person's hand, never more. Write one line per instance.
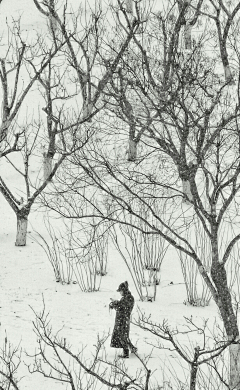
(111, 305)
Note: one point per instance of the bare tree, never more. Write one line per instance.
(224, 18)
(12, 69)
(196, 346)
(90, 46)
(67, 124)
(15, 136)
(190, 150)
(57, 360)
(200, 352)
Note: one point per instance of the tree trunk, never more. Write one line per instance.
(187, 192)
(47, 166)
(52, 21)
(188, 36)
(228, 74)
(53, 25)
(132, 150)
(227, 70)
(87, 111)
(22, 223)
(5, 123)
(129, 6)
(3, 130)
(194, 369)
(224, 302)
(234, 380)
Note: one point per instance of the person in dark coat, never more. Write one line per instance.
(120, 336)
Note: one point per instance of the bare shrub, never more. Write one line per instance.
(143, 255)
(10, 359)
(198, 293)
(143, 251)
(84, 266)
(78, 253)
(88, 252)
(56, 253)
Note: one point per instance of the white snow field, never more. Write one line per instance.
(27, 279)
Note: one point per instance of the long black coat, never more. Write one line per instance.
(120, 336)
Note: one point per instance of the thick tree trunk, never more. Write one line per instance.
(224, 302)
(132, 150)
(186, 189)
(193, 379)
(47, 166)
(22, 223)
(234, 351)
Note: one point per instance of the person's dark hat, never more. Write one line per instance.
(123, 287)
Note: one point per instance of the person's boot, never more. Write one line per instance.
(125, 354)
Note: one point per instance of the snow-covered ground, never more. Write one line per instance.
(27, 279)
